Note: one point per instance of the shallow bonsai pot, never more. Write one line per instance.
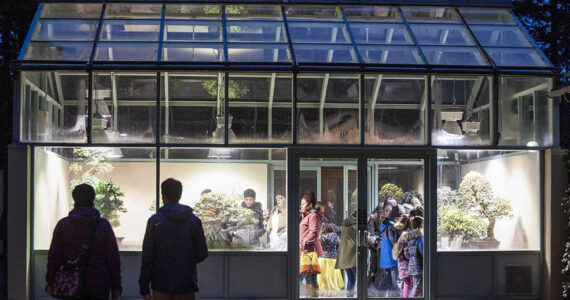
(480, 244)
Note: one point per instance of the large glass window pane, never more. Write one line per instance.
(124, 107)
(395, 109)
(317, 32)
(256, 31)
(332, 184)
(124, 181)
(214, 186)
(253, 12)
(516, 57)
(525, 112)
(395, 183)
(261, 107)
(327, 109)
(488, 200)
(382, 54)
(441, 34)
(430, 14)
(442, 55)
(487, 16)
(72, 10)
(191, 108)
(53, 106)
(313, 13)
(133, 11)
(505, 36)
(69, 51)
(65, 30)
(126, 51)
(193, 11)
(373, 13)
(250, 52)
(461, 108)
(130, 30)
(213, 52)
(187, 31)
(380, 33)
(324, 53)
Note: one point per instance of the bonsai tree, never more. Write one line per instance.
(390, 190)
(452, 219)
(88, 167)
(220, 213)
(475, 193)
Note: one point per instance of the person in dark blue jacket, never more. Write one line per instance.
(174, 243)
(389, 283)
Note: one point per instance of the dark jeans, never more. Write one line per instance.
(96, 295)
(351, 278)
(389, 283)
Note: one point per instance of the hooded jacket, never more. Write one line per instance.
(174, 243)
(309, 229)
(103, 269)
(404, 256)
(347, 250)
(386, 260)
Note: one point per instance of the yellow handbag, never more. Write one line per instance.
(309, 263)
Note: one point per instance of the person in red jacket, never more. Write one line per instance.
(309, 236)
(103, 268)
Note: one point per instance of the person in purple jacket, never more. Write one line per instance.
(103, 268)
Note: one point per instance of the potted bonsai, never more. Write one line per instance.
(390, 190)
(477, 196)
(455, 227)
(89, 166)
(221, 214)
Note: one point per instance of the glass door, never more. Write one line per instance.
(362, 213)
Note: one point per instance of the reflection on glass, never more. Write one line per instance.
(328, 107)
(441, 55)
(71, 10)
(387, 54)
(255, 31)
(516, 57)
(486, 16)
(461, 110)
(125, 189)
(328, 201)
(126, 51)
(525, 112)
(395, 109)
(383, 33)
(318, 32)
(395, 227)
(53, 115)
(208, 52)
(431, 14)
(375, 13)
(504, 36)
(217, 184)
(129, 30)
(261, 107)
(196, 11)
(65, 30)
(124, 107)
(493, 196)
(133, 11)
(252, 12)
(191, 105)
(324, 53)
(70, 51)
(313, 12)
(438, 34)
(204, 31)
(250, 52)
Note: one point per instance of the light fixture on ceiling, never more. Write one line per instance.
(220, 153)
(451, 115)
(471, 128)
(114, 153)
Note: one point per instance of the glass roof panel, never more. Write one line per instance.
(496, 35)
(380, 33)
(197, 52)
(256, 31)
(126, 51)
(266, 52)
(318, 32)
(130, 30)
(70, 51)
(65, 30)
(253, 12)
(72, 10)
(195, 30)
(487, 16)
(324, 53)
(374, 13)
(193, 12)
(388, 54)
(430, 14)
(441, 34)
(313, 12)
(457, 56)
(516, 57)
(133, 11)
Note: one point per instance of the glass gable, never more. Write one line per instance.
(375, 35)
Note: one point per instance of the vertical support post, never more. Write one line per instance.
(89, 107)
(428, 113)
(270, 106)
(226, 107)
(495, 111)
(322, 103)
(294, 117)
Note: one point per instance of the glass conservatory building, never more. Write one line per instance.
(433, 104)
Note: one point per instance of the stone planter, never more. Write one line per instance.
(481, 244)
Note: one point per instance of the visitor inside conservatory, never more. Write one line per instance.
(334, 151)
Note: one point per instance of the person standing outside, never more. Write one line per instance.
(102, 270)
(173, 244)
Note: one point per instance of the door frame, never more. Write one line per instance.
(429, 156)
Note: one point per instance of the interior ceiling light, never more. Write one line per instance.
(451, 115)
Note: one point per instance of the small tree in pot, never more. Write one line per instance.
(476, 194)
